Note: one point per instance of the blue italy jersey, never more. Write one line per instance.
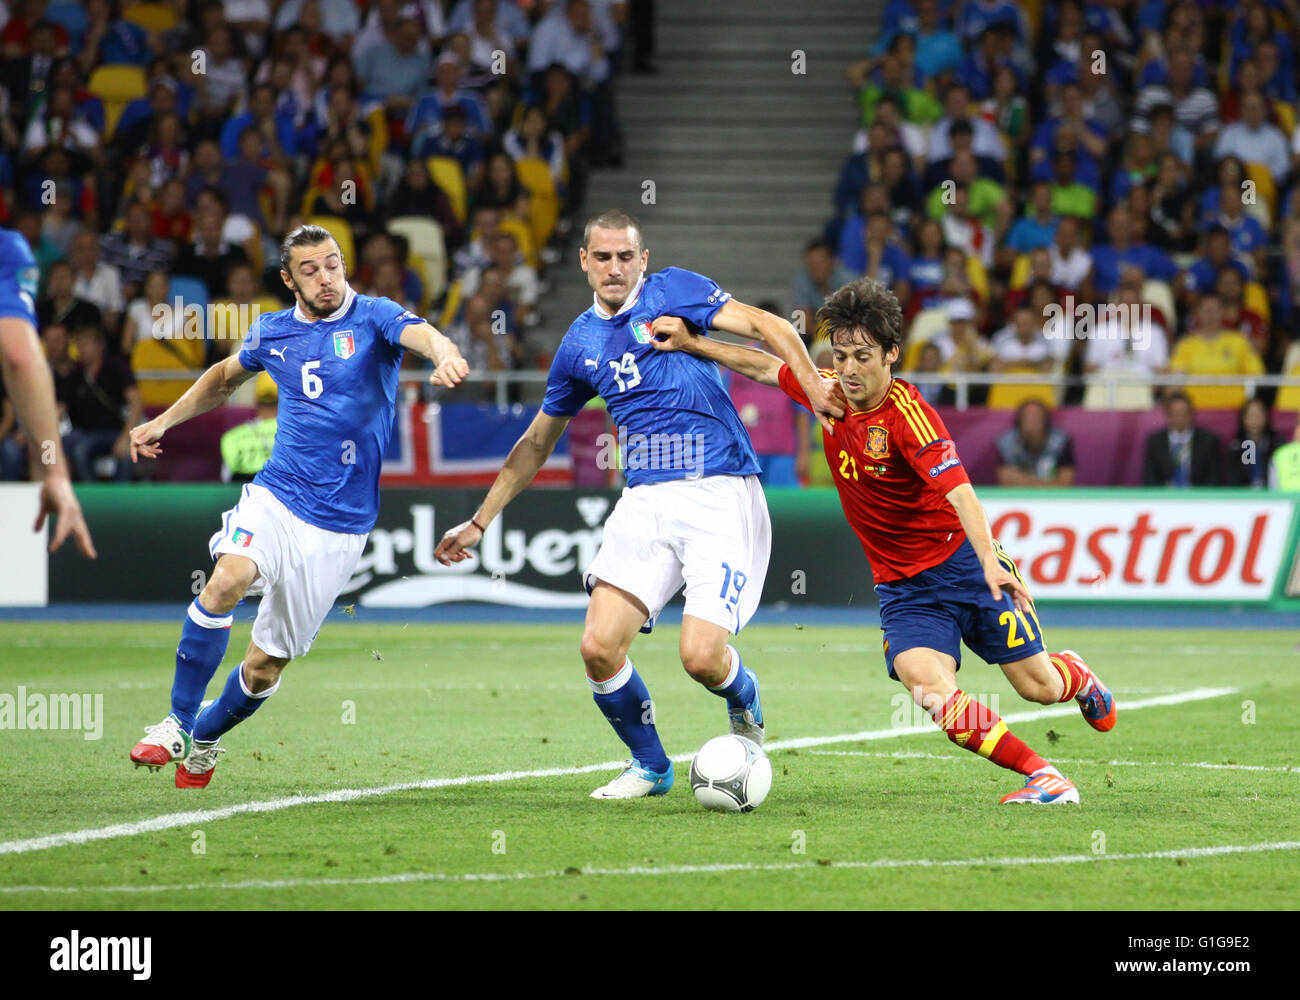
(674, 415)
(19, 276)
(337, 379)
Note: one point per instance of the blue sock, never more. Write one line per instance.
(626, 703)
(738, 688)
(235, 705)
(203, 644)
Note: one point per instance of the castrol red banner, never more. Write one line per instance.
(1145, 547)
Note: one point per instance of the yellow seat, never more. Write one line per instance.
(1255, 299)
(171, 354)
(1265, 188)
(523, 238)
(1288, 397)
(978, 277)
(1010, 396)
(151, 16)
(447, 174)
(426, 242)
(454, 294)
(1286, 119)
(544, 202)
(378, 123)
(926, 324)
(116, 86)
(1019, 273)
(341, 230)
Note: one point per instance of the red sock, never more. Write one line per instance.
(1074, 675)
(977, 728)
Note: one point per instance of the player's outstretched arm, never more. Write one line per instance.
(31, 386)
(527, 456)
(976, 525)
(425, 340)
(670, 333)
(211, 389)
(777, 333)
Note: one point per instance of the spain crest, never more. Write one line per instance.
(344, 344)
(877, 445)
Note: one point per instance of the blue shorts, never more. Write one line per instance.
(948, 603)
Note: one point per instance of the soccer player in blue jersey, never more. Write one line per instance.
(693, 512)
(30, 385)
(300, 526)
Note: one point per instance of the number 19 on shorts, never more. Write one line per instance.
(732, 584)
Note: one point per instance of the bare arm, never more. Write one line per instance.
(425, 340)
(747, 361)
(31, 388)
(527, 456)
(976, 525)
(780, 337)
(210, 390)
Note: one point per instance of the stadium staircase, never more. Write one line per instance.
(743, 153)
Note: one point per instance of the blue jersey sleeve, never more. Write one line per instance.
(567, 388)
(18, 278)
(250, 351)
(391, 319)
(692, 296)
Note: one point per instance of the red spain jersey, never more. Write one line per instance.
(894, 466)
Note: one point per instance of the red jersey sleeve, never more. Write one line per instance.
(925, 443)
(791, 387)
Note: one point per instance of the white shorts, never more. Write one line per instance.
(712, 534)
(301, 569)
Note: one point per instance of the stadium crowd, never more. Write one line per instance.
(154, 154)
(1073, 188)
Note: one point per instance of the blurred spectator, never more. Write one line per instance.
(163, 338)
(447, 93)
(103, 405)
(340, 19)
(222, 80)
(1195, 108)
(95, 280)
(961, 348)
(278, 141)
(394, 70)
(1182, 454)
(1203, 275)
(1109, 259)
(1021, 346)
(985, 140)
(1127, 338)
(134, 250)
(450, 137)
(520, 279)
(501, 188)
(1250, 453)
(232, 317)
(1255, 139)
(247, 447)
(1230, 290)
(1033, 452)
(930, 362)
(1037, 227)
(418, 195)
(1069, 196)
(1071, 264)
(61, 305)
(535, 138)
(387, 282)
(1209, 349)
(821, 275)
(209, 256)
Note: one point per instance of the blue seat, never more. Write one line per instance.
(191, 292)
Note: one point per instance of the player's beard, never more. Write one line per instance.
(312, 308)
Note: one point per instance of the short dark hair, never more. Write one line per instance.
(1177, 396)
(305, 236)
(864, 307)
(613, 218)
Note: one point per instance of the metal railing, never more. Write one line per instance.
(960, 381)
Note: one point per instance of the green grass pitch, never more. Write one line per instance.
(899, 821)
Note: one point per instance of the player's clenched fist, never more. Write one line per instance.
(669, 333)
(145, 438)
(455, 543)
(450, 372)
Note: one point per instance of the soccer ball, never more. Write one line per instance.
(731, 774)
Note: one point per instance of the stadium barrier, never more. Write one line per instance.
(1214, 546)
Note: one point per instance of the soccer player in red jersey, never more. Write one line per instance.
(940, 575)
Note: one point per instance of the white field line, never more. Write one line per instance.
(197, 817)
(408, 877)
(905, 755)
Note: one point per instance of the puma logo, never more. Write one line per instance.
(279, 351)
